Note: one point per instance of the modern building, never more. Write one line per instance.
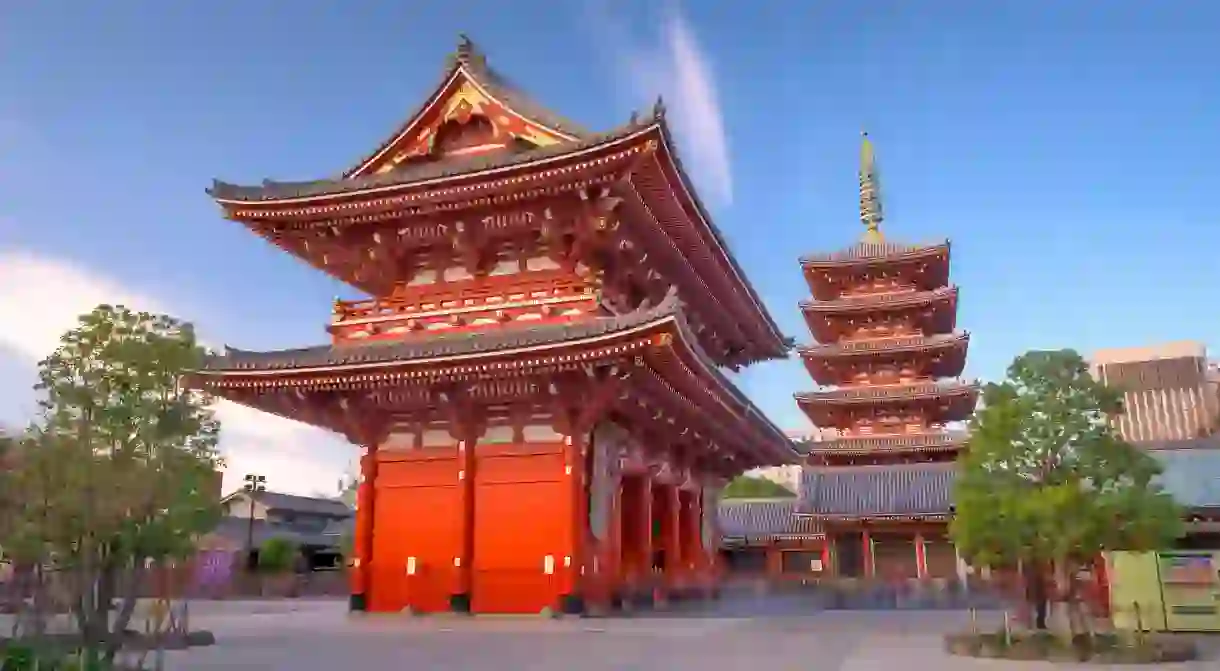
(1171, 392)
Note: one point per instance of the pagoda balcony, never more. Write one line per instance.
(893, 444)
(828, 274)
(462, 304)
(935, 356)
(938, 402)
(931, 312)
(879, 302)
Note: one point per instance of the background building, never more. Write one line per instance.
(1171, 392)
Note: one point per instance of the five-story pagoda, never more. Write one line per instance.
(535, 378)
(884, 317)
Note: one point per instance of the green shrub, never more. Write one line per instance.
(277, 555)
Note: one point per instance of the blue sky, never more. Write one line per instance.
(1064, 147)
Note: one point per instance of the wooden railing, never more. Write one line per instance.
(463, 294)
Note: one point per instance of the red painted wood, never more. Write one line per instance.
(404, 536)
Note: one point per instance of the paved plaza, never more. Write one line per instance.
(771, 634)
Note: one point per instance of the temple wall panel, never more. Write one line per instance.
(522, 535)
(940, 557)
(414, 555)
(894, 556)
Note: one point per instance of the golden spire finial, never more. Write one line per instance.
(870, 192)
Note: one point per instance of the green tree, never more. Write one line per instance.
(1048, 485)
(753, 487)
(114, 474)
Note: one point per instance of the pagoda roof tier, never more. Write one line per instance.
(882, 302)
(876, 254)
(415, 195)
(828, 275)
(907, 443)
(829, 321)
(946, 353)
(336, 197)
(878, 492)
(756, 521)
(947, 401)
(653, 352)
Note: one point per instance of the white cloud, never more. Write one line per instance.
(677, 69)
(41, 297)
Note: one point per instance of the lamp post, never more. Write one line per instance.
(254, 484)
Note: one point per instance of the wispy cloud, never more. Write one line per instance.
(675, 67)
(43, 296)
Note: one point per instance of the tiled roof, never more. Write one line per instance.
(865, 252)
(416, 172)
(1191, 475)
(885, 301)
(469, 58)
(884, 345)
(433, 344)
(761, 519)
(343, 527)
(237, 530)
(503, 338)
(873, 393)
(919, 442)
(304, 504)
(856, 492)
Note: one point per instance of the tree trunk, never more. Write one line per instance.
(131, 596)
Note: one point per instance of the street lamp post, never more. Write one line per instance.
(254, 484)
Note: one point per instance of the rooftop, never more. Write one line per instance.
(298, 504)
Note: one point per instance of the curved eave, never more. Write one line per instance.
(874, 395)
(948, 354)
(916, 517)
(380, 364)
(468, 177)
(866, 254)
(778, 344)
(881, 302)
(849, 350)
(888, 445)
(780, 446)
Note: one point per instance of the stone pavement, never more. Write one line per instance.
(766, 633)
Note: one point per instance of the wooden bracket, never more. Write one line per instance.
(466, 420)
(578, 402)
(469, 243)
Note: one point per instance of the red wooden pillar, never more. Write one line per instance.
(643, 566)
(574, 566)
(825, 555)
(463, 563)
(362, 541)
(921, 557)
(866, 552)
(671, 530)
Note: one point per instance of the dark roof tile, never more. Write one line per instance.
(761, 519)
(433, 344)
(1191, 475)
(907, 490)
(304, 504)
(415, 172)
(866, 252)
